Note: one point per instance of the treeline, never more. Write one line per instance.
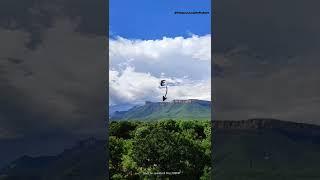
(162, 149)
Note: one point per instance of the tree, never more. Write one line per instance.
(116, 150)
(166, 148)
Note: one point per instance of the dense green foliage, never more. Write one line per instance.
(265, 154)
(144, 150)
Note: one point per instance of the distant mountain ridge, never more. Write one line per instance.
(119, 107)
(262, 123)
(272, 125)
(176, 109)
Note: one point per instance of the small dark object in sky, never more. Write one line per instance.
(163, 82)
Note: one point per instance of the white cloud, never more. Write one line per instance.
(137, 67)
(196, 47)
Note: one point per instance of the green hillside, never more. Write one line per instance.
(195, 109)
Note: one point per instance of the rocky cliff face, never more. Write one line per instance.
(261, 124)
(178, 101)
(274, 125)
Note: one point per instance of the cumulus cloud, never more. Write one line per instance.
(196, 47)
(138, 66)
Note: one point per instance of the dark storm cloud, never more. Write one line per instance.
(269, 52)
(52, 68)
(36, 16)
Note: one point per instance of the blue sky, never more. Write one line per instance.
(154, 19)
(140, 56)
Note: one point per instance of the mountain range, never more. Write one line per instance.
(119, 107)
(176, 109)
